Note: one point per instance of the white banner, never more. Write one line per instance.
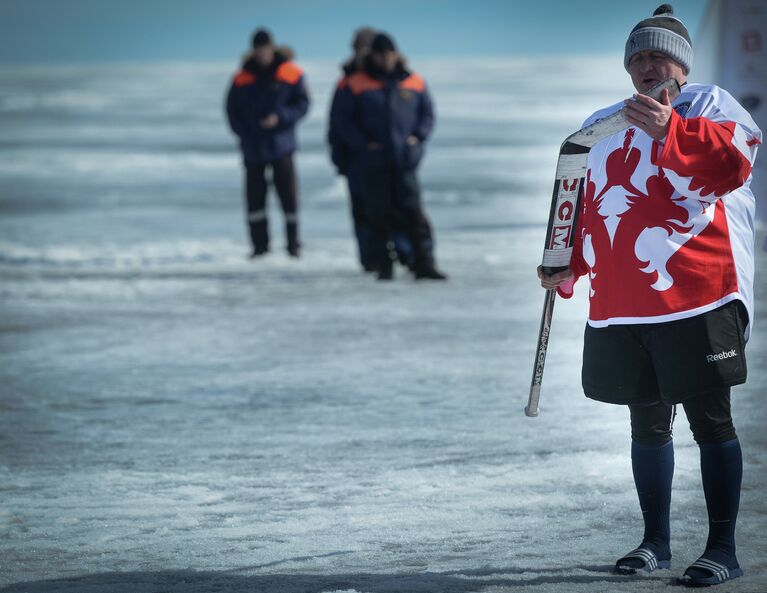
(731, 51)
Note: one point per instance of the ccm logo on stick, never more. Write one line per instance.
(721, 356)
(570, 185)
(560, 237)
(565, 211)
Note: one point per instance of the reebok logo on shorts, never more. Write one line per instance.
(721, 356)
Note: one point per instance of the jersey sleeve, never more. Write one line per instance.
(712, 153)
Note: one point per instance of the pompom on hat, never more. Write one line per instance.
(662, 32)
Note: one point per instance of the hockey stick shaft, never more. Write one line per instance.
(540, 353)
(573, 202)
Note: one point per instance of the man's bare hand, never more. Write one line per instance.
(270, 121)
(412, 140)
(553, 281)
(649, 115)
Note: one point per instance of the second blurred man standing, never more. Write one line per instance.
(383, 114)
(339, 153)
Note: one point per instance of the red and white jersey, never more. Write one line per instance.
(667, 228)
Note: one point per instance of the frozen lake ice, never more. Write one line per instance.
(174, 417)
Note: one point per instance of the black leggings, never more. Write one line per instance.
(709, 417)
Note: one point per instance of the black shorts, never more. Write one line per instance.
(665, 362)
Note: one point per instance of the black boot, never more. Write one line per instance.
(425, 267)
(291, 233)
(429, 272)
(385, 270)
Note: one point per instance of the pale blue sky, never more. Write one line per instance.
(102, 30)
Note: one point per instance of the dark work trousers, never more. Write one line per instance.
(365, 241)
(284, 177)
(392, 201)
(361, 230)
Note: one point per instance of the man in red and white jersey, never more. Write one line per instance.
(666, 237)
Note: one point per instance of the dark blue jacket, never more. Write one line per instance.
(370, 106)
(339, 153)
(255, 94)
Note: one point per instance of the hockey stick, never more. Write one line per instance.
(563, 217)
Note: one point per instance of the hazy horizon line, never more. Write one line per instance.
(319, 59)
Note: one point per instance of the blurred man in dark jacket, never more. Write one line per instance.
(382, 115)
(340, 154)
(267, 97)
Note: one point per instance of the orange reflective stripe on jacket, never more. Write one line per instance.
(243, 78)
(289, 72)
(359, 82)
(413, 83)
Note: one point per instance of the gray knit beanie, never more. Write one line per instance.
(662, 32)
